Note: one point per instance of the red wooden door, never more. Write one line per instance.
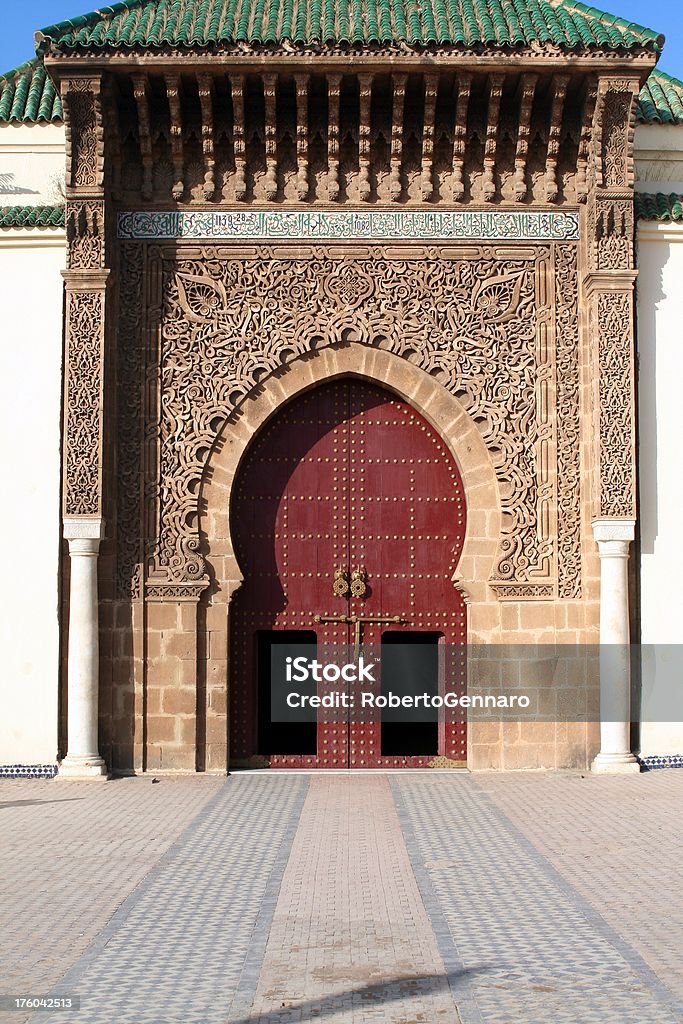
(349, 476)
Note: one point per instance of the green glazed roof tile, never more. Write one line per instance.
(27, 94)
(661, 100)
(31, 216)
(466, 23)
(659, 206)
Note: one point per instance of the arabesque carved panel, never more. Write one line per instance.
(130, 357)
(83, 403)
(568, 424)
(615, 403)
(477, 319)
(616, 115)
(84, 132)
(85, 234)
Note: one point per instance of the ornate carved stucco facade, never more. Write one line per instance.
(240, 226)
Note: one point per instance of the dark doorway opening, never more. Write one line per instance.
(282, 737)
(410, 666)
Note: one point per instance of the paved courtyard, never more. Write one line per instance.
(349, 898)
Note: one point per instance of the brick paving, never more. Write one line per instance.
(533, 950)
(406, 899)
(350, 937)
(617, 841)
(186, 947)
(70, 854)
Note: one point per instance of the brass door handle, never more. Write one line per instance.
(359, 582)
(340, 587)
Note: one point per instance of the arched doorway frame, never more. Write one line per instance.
(430, 398)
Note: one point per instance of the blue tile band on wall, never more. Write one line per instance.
(673, 761)
(28, 771)
(352, 225)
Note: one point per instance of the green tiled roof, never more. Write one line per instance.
(661, 100)
(659, 206)
(31, 216)
(462, 23)
(27, 94)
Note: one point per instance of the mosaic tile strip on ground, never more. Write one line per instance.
(533, 950)
(188, 942)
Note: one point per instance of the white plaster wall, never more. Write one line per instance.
(32, 165)
(659, 158)
(660, 348)
(30, 404)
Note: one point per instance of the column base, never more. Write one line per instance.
(615, 764)
(86, 769)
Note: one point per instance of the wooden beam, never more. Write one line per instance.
(302, 184)
(172, 82)
(204, 83)
(237, 92)
(333, 92)
(491, 145)
(590, 100)
(559, 93)
(398, 83)
(113, 119)
(525, 99)
(141, 94)
(364, 187)
(426, 182)
(270, 134)
(464, 88)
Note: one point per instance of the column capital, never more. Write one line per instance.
(83, 528)
(86, 280)
(616, 280)
(620, 530)
(81, 81)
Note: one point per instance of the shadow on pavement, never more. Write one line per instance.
(391, 991)
(32, 803)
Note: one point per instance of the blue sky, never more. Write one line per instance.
(21, 19)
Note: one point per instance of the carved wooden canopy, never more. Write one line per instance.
(500, 128)
(371, 102)
(412, 136)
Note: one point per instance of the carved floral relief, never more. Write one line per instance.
(479, 323)
(85, 311)
(615, 433)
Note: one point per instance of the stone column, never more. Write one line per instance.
(609, 291)
(83, 760)
(86, 282)
(613, 537)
